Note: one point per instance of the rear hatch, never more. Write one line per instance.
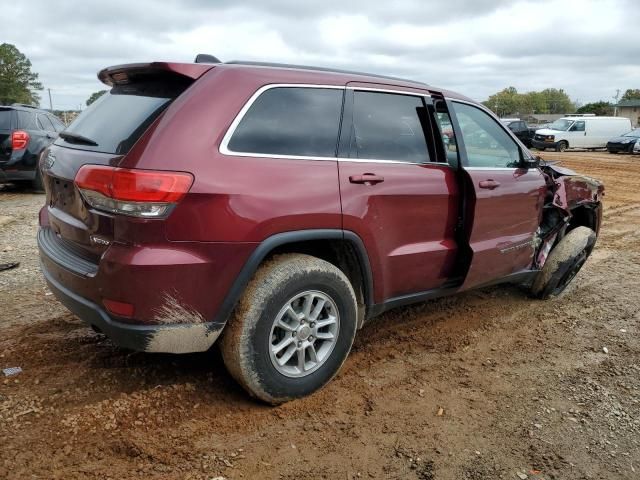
(6, 122)
(103, 135)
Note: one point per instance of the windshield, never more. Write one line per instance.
(115, 122)
(561, 124)
(633, 133)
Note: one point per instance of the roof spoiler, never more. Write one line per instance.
(122, 74)
(206, 58)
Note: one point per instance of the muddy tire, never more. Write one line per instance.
(292, 329)
(562, 146)
(564, 262)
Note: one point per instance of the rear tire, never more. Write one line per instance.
(564, 262)
(274, 345)
(562, 146)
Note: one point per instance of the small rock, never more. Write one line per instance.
(440, 411)
(605, 349)
(537, 425)
(421, 392)
(522, 476)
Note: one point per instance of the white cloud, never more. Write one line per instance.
(475, 47)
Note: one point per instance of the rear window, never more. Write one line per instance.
(116, 120)
(294, 121)
(5, 119)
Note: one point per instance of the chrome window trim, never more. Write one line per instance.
(224, 144)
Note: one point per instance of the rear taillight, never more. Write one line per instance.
(19, 139)
(139, 193)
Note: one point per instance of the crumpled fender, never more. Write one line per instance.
(573, 190)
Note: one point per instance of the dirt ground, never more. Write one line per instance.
(489, 384)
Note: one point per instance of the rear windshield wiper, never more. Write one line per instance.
(75, 138)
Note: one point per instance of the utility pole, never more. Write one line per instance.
(50, 102)
(615, 107)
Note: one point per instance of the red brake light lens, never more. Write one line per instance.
(143, 193)
(135, 185)
(19, 139)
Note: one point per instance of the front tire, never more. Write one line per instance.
(564, 262)
(562, 146)
(292, 329)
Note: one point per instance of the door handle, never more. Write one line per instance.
(490, 184)
(366, 178)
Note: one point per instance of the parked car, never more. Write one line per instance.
(624, 143)
(25, 132)
(586, 131)
(279, 208)
(520, 130)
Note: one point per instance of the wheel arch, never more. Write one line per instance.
(344, 249)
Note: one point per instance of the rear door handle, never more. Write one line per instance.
(490, 184)
(366, 178)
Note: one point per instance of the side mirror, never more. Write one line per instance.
(532, 161)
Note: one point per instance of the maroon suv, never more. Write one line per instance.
(280, 207)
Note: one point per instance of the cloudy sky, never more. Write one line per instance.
(477, 47)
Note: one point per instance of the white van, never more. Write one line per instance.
(580, 131)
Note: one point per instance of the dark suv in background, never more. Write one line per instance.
(25, 132)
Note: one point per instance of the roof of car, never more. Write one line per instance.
(324, 73)
(289, 73)
(23, 107)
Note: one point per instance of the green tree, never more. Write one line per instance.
(509, 102)
(557, 101)
(601, 108)
(18, 84)
(94, 96)
(631, 94)
(505, 102)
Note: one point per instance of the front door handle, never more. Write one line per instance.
(366, 178)
(490, 184)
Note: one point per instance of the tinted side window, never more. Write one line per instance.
(5, 119)
(486, 143)
(45, 123)
(26, 120)
(387, 126)
(294, 121)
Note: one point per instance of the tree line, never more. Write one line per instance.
(550, 100)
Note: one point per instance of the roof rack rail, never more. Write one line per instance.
(580, 115)
(321, 69)
(206, 58)
(23, 105)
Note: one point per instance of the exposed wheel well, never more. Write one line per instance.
(341, 253)
(583, 217)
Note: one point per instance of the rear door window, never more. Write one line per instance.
(291, 121)
(386, 126)
(26, 120)
(6, 117)
(118, 118)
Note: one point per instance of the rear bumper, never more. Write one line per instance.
(176, 302)
(176, 338)
(13, 175)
